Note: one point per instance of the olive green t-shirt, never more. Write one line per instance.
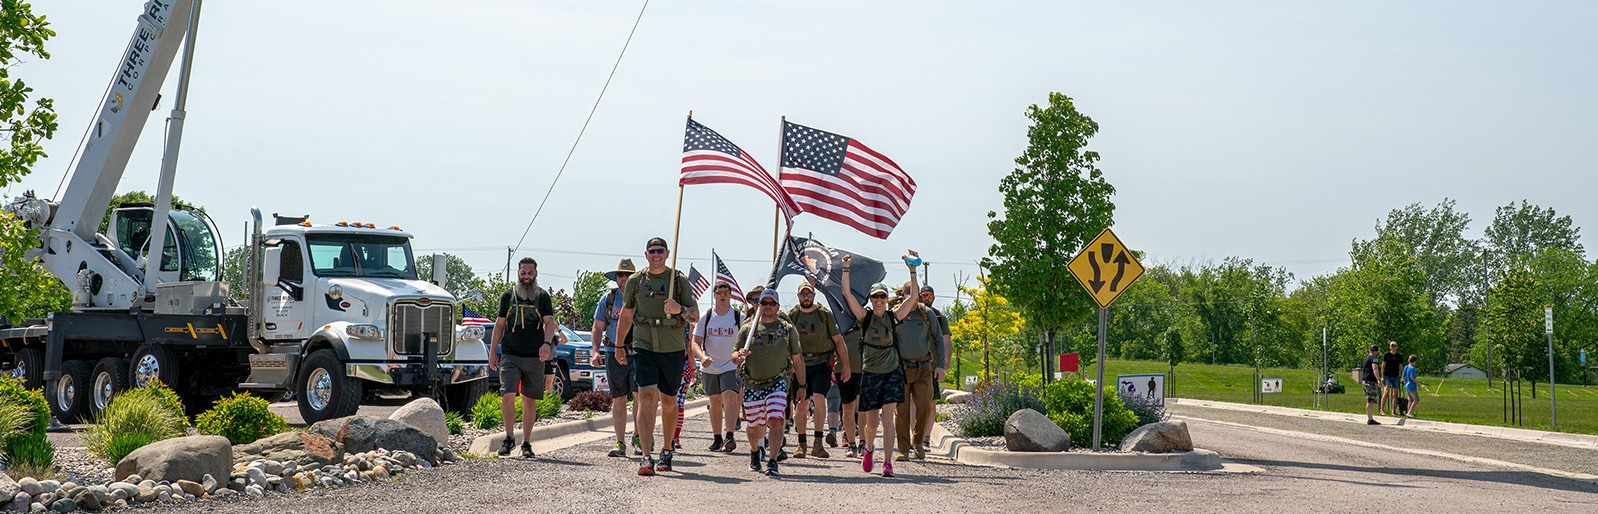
(851, 343)
(920, 337)
(877, 348)
(816, 329)
(646, 295)
(770, 351)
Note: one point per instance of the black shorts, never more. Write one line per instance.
(661, 371)
(849, 390)
(818, 377)
(880, 389)
(620, 376)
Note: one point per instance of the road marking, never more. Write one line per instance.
(1430, 453)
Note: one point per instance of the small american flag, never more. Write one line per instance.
(708, 158)
(724, 274)
(699, 282)
(838, 178)
(471, 318)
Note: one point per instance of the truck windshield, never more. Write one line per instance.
(361, 255)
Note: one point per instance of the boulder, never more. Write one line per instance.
(9, 487)
(299, 447)
(426, 415)
(1030, 431)
(179, 458)
(366, 433)
(1162, 437)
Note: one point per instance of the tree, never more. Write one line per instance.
(1386, 295)
(1449, 261)
(586, 290)
(1055, 201)
(990, 318)
(1519, 233)
(457, 274)
(26, 289)
(1514, 322)
(1240, 304)
(134, 197)
(484, 293)
(233, 263)
(1569, 285)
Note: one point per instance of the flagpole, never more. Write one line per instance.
(671, 288)
(781, 139)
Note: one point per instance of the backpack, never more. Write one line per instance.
(737, 316)
(893, 324)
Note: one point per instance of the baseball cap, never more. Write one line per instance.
(769, 293)
(879, 288)
(806, 286)
(656, 241)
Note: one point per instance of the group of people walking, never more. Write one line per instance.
(761, 368)
(1391, 383)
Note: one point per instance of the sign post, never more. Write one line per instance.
(1105, 268)
(1548, 328)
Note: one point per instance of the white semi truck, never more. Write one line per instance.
(334, 313)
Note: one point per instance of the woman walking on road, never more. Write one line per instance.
(882, 385)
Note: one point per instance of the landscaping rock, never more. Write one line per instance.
(20, 502)
(1162, 437)
(8, 487)
(426, 415)
(209, 484)
(298, 447)
(366, 433)
(64, 505)
(31, 486)
(192, 487)
(1030, 431)
(128, 490)
(180, 458)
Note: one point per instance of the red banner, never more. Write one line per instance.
(1068, 362)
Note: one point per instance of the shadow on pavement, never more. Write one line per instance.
(1525, 478)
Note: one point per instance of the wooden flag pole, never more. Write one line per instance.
(775, 232)
(671, 288)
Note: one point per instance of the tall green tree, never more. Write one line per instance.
(1569, 285)
(1514, 319)
(1450, 262)
(26, 289)
(1388, 283)
(458, 275)
(1520, 232)
(1055, 201)
(586, 291)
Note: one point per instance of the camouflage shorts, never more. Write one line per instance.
(1373, 392)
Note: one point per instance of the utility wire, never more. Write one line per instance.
(585, 126)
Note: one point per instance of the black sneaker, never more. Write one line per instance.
(527, 450)
(715, 445)
(782, 455)
(647, 469)
(771, 469)
(832, 438)
(665, 460)
(506, 445)
(732, 444)
(1372, 422)
(754, 461)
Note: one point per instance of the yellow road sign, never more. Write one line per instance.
(1105, 268)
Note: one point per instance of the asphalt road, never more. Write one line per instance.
(1307, 466)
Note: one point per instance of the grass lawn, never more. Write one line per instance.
(1453, 400)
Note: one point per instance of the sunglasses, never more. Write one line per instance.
(768, 304)
(879, 296)
(724, 291)
(807, 295)
(656, 251)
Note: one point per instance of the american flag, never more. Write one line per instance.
(699, 282)
(838, 178)
(471, 318)
(708, 158)
(724, 274)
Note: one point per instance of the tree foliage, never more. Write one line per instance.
(989, 318)
(1520, 232)
(1449, 262)
(1515, 326)
(458, 274)
(1055, 201)
(26, 289)
(586, 290)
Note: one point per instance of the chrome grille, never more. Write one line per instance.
(411, 324)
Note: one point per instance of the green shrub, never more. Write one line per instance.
(12, 392)
(549, 406)
(163, 394)
(485, 413)
(1069, 404)
(456, 424)
(29, 451)
(134, 418)
(240, 418)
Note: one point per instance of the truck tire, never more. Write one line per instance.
(562, 387)
(29, 368)
(110, 378)
(323, 390)
(459, 398)
(153, 362)
(69, 394)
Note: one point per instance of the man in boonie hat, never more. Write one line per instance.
(617, 372)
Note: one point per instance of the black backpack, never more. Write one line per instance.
(893, 324)
(737, 316)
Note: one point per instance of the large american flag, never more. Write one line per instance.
(697, 281)
(838, 178)
(471, 318)
(724, 274)
(708, 158)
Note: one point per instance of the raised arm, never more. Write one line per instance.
(910, 302)
(848, 293)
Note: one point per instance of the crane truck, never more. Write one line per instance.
(334, 313)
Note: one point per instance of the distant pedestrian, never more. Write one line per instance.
(619, 372)
(1412, 385)
(1369, 371)
(1392, 386)
(657, 309)
(768, 346)
(525, 330)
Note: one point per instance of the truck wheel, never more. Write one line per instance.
(154, 362)
(69, 394)
(561, 387)
(324, 391)
(109, 379)
(459, 398)
(29, 369)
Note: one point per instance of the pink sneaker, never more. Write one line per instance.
(887, 469)
(865, 463)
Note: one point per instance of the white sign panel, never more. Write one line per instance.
(1271, 385)
(971, 380)
(602, 381)
(1146, 388)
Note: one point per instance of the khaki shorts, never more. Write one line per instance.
(528, 372)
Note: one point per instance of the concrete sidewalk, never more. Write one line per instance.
(1518, 434)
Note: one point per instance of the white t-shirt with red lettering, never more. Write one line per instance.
(720, 332)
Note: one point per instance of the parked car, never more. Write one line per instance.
(571, 359)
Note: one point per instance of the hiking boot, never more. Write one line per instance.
(887, 470)
(921, 454)
(506, 445)
(665, 460)
(819, 450)
(832, 439)
(799, 453)
(867, 462)
(715, 445)
(648, 467)
(619, 451)
(527, 450)
(902, 457)
(1372, 422)
(771, 469)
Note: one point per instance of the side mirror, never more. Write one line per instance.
(271, 265)
(440, 275)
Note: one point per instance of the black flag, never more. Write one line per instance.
(824, 266)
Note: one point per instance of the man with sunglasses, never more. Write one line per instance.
(820, 342)
(657, 309)
(618, 372)
(766, 349)
(713, 343)
(927, 296)
(920, 352)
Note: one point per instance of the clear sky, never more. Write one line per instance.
(1278, 131)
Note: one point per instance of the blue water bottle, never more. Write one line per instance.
(913, 260)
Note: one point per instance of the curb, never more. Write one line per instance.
(1199, 460)
(551, 431)
(1519, 434)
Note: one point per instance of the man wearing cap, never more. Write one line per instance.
(525, 329)
(657, 309)
(927, 297)
(617, 371)
(920, 341)
(820, 342)
(882, 384)
(767, 347)
(715, 337)
(1369, 370)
